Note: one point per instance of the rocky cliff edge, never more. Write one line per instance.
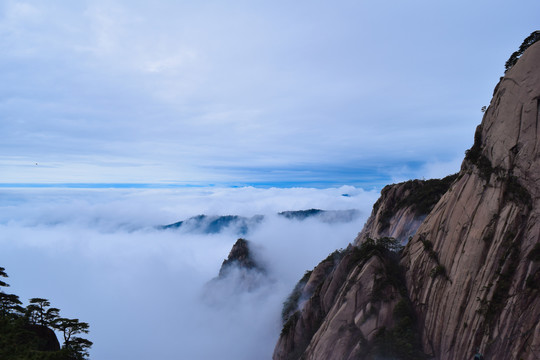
(483, 233)
(469, 278)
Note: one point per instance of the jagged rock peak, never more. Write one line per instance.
(240, 256)
(241, 272)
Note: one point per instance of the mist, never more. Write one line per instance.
(99, 256)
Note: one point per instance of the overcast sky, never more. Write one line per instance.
(247, 92)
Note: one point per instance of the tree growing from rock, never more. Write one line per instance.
(529, 40)
(70, 328)
(27, 333)
(37, 309)
(4, 275)
(10, 305)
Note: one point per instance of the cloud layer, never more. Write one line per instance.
(97, 255)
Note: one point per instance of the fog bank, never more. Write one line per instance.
(98, 256)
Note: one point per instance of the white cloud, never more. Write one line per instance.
(96, 256)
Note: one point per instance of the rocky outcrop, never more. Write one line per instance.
(353, 305)
(402, 207)
(240, 257)
(470, 274)
(44, 338)
(241, 272)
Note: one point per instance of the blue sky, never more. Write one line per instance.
(304, 93)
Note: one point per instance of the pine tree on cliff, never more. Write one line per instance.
(4, 275)
(76, 346)
(28, 333)
(531, 39)
(10, 304)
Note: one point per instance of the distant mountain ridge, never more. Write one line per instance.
(327, 216)
(213, 224)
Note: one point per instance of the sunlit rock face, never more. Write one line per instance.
(470, 273)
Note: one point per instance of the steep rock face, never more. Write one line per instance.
(344, 308)
(307, 306)
(353, 305)
(472, 268)
(470, 272)
(352, 323)
(402, 207)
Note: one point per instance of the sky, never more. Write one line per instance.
(98, 256)
(235, 93)
(118, 116)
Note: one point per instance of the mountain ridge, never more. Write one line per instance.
(211, 224)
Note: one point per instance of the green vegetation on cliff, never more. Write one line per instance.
(399, 341)
(402, 341)
(531, 39)
(420, 195)
(27, 333)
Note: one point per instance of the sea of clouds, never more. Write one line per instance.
(99, 255)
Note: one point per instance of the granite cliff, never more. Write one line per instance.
(468, 279)
(402, 207)
(483, 232)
